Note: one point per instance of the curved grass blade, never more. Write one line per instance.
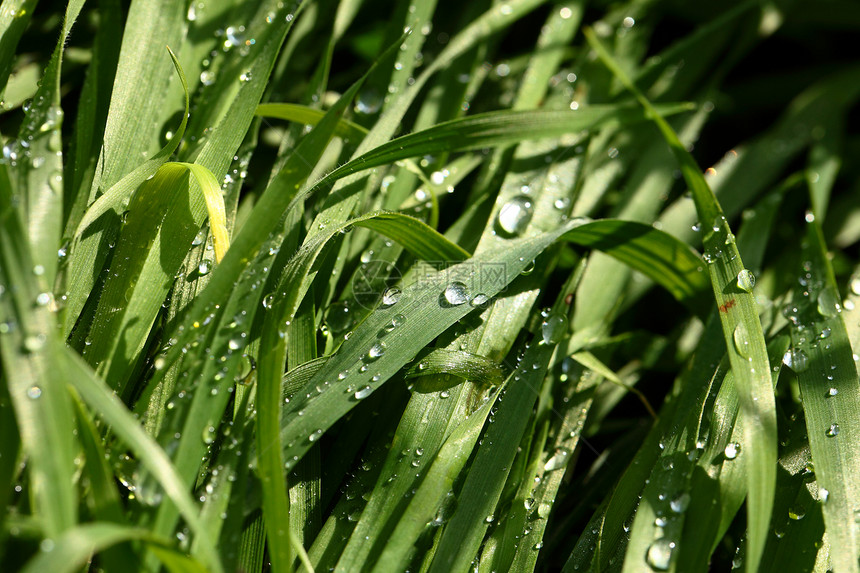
(461, 364)
(75, 548)
(492, 129)
(741, 329)
(310, 116)
(164, 215)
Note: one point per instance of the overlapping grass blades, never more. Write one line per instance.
(365, 292)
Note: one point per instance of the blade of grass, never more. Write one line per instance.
(741, 329)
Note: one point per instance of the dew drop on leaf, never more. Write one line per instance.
(456, 294)
(554, 328)
(390, 296)
(746, 280)
(515, 215)
(732, 450)
(363, 393)
(660, 554)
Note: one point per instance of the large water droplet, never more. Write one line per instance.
(557, 461)
(732, 450)
(456, 293)
(796, 359)
(554, 328)
(515, 215)
(368, 102)
(339, 317)
(660, 554)
(746, 280)
(680, 503)
(480, 300)
(204, 267)
(742, 340)
(828, 303)
(363, 393)
(390, 296)
(375, 352)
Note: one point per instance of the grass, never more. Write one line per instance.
(361, 286)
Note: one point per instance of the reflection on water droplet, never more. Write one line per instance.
(746, 280)
(742, 340)
(390, 296)
(375, 352)
(554, 328)
(732, 450)
(660, 554)
(796, 359)
(797, 512)
(204, 267)
(515, 215)
(363, 393)
(480, 300)
(680, 503)
(368, 102)
(832, 431)
(557, 461)
(456, 294)
(828, 303)
(34, 392)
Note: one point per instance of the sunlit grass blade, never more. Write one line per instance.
(821, 356)
(741, 329)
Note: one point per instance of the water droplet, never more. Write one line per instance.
(315, 436)
(363, 393)
(828, 303)
(680, 503)
(832, 431)
(207, 77)
(375, 352)
(797, 512)
(209, 434)
(339, 317)
(456, 294)
(368, 102)
(823, 494)
(268, 300)
(855, 285)
(832, 392)
(397, 320)
(34, 342)
(490, 518)
(742, 340)
(732, 450)
(34, 392)
(746, 280)
(660, 554)
(204, 267)
(557, 461)
(390, 296)
(562, 203)
(796, 359)
(515, 215)
(245, 76)
(554, 328)
(480, 300)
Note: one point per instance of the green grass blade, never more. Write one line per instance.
(95, 393)
(741, 329)
(492, 129)
(821, 356)
(101, 221)
(310, 116)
